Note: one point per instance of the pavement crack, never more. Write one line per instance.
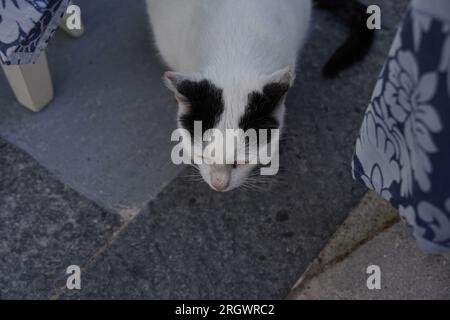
(316, 267)
(56, 294)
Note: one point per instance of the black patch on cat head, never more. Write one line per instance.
(205, 104)
(261, 107)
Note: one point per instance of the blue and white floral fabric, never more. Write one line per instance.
(26, 27)
(403, 151)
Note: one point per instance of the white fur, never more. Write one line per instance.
(239, 45)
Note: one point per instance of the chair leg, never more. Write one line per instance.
(31, 83)
(77, 32)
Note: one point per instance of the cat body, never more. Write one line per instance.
(232, 63)
(227, 40)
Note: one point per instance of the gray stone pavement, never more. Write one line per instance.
(187, 241)
(406, 272)
(107, 133)
(369, 218)
(371, 235)
(44, 227)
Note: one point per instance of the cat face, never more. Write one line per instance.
(243, 109)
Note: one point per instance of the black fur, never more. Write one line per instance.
(360, 39)
(261, 106)
(205, 104)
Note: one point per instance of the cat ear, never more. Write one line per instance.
(174, 81)
(283, 76)
(277, 84)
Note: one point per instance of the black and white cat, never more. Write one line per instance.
(234, 61)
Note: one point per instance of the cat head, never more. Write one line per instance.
(244, 106)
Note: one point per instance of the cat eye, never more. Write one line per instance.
(238, 163)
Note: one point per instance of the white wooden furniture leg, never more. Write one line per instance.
(31, 83)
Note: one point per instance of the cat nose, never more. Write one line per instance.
(220, 179)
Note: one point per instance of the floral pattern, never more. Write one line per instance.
(403, 150)
(409, 94)
(26, 27)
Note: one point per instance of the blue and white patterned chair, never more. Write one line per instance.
(26, 26)
(403, 150)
